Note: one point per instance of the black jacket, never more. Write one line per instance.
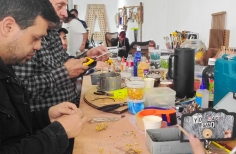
(18, 124)
(125, 42)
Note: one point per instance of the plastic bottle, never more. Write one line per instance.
(130, 65)
(202, 96)
(143, 68)
(208, 76)
(137, 59)
(123, 64)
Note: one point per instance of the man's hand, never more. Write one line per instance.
(196, 145)
(75, 67)
(94, 52)
(72, 124)
(65, 108)
(82, 47)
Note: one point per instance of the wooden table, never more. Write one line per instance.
(122, 134)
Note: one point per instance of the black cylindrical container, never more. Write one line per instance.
(183, 72)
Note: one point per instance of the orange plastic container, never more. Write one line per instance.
(157, 112)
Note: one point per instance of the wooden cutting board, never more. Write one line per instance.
(89, 98)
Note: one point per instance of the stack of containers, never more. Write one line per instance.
(135, 98)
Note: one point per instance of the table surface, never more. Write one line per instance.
(119, 136)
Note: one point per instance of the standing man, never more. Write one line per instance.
(77, 36)
(76, 14)
(62, 32)
(22, 25)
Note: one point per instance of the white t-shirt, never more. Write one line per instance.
(74, 36)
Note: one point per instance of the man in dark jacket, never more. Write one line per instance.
(122, 42)
(22, 25)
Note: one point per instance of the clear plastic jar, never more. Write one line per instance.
(164, 62)
(135, 90)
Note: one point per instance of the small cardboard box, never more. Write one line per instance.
(166, 141)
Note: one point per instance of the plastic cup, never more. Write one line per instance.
(149, 83)
(152, 122)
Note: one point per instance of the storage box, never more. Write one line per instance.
(224, 77)
(166, 141)
(160, 97)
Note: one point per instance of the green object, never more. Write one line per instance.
(164, 63)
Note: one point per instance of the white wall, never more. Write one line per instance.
(161, 17)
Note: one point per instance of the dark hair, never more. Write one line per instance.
(74, 11)
(63, 30)
(122, 34)
(70, 15)
(26, 11)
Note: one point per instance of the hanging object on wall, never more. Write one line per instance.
(97, 12)
(128, 14)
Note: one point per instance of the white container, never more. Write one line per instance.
(149, 83)
(160, 97)
(152, 122)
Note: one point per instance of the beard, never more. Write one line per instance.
(14, 54)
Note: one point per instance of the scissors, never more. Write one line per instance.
(111, 107)
(102, 93)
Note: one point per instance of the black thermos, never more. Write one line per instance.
(182, 72)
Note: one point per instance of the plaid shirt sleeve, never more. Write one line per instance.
(42, 74)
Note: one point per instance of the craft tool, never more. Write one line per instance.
(220, 146)
(111, 107)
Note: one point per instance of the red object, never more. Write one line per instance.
(152, 45)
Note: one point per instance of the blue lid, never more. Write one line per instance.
(203, 85)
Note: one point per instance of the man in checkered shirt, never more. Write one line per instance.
(47, 76)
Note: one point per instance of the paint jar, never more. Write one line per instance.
(135, 106)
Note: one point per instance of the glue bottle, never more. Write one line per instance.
(202, 95)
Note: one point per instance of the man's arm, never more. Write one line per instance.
(41, 83)
(52, 139)
(85, 37)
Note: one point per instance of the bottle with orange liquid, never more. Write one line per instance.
(143, 68)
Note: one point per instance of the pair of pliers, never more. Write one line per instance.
(111, 107)
(102, 93)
